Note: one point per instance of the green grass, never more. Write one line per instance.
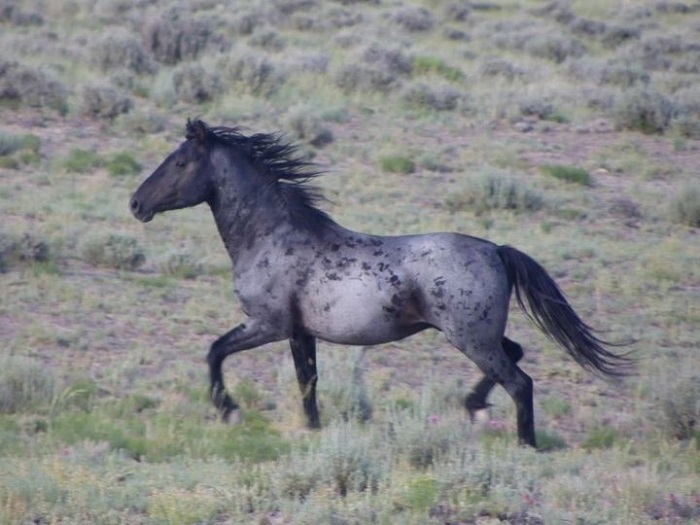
(571, 174)
(397, 164)
(81, 161)
(122, 164)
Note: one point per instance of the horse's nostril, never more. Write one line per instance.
(135, 205)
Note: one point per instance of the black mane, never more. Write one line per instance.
(287, 174)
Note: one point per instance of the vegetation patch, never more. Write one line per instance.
(81, 161)
(122, 164)
(494, 190)
(684, 208)
(397, 164)
(572, 174)
(112, 250)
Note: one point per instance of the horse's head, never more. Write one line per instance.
(181, 181)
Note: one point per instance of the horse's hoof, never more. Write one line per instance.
(232, 417)
(479, 416)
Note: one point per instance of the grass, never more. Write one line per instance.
(106, 322)
(571, 174)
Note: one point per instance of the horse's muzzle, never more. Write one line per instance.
(138, 210)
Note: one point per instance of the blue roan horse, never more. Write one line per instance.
(301, 276)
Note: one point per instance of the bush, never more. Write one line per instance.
(171, 38)
(112, 251)
(25, 85)
(343, 390)
(120, 49)
(25, 386)
(554, 47)
(16, 150)
(494, 190)
(397, 164)
(436, 97)
(415, 19)
(681, 409)
(194, 84)
(499, 67)
(181, 263)
(424, 65)
(81, 161)
(103, 101)
(568, 173)
(251, 71)
(22, 249)
(307, 126)
(644, 110)
(684, 208)
(121, 164)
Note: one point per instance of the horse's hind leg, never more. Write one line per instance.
(498, 366)
(303, 348)
(476, 400)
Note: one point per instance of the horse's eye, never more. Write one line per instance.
(180, 163)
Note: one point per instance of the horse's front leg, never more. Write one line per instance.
(244, 337)
(304, 352)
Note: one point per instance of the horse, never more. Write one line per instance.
(301, 276)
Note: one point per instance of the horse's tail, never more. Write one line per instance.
(544, 303)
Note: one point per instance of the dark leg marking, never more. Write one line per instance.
(303, 348)
(242, 337)
(477, 399)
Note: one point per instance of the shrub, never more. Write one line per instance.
(16, 150)
(112, 251)
(684, 208)
(172, 38)
(354, 77)
(16, 16)
(22, 249)
(33, 87)
(423, 65)
(343, 390)
(499, 67)
(81, 161)
(415, 19)
(181, 263)
(120, 49)
(103, 101)
(266, 39)
(121, 164)
(252, 71)
(644, 110)
(600, 437)
(568, 173)
(25, 386)
(554, 47)
(494, 190)
(307, 126)
(397, 164)
(194, 84)
(391, 60)
(680, 407)
(437, 97)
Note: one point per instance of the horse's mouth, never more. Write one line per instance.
(145, 217)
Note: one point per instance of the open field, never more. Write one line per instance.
(570, 130)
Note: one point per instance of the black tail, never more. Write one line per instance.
(547, 307)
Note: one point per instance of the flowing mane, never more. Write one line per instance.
(288, 175)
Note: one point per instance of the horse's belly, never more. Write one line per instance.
(359, 313)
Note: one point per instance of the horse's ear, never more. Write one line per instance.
(196, 130)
